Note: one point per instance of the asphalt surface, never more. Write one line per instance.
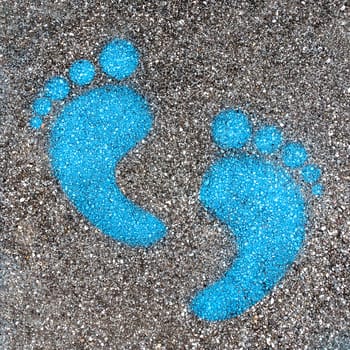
(67, 286)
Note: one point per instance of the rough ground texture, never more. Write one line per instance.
(65, 285)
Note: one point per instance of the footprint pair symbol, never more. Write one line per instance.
(253, 193)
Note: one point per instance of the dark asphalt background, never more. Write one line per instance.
(67, 286)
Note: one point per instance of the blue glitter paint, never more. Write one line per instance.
(91, 135)
(82, 72)
(268, 139)
(36, 122)
(119, 59)
(231, 129)
(257, 199)
(311, 173)
(265, 211)
(41, 106)
(57, 88)
(317, 190)
(294, 155)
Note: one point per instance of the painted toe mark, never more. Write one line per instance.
(294, 155)
(57, 88)
(311, 173)
(268, 139)
(119, 59)
(82, 72)
(41, 106)
(231, 129)
(36, 122)
(317, 190)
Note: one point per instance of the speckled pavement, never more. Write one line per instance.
(64, 285)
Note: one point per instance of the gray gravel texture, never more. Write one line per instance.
(67, 286)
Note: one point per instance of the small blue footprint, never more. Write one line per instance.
(262, 205)
(89, 137)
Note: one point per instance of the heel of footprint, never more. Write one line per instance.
(263, 207)
(89, 137)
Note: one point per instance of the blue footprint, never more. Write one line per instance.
(93, 132)
(262, 205)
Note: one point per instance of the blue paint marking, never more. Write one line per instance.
(119, 59)
(57, 88)
(256, 198)
(317, 190)
(82, 72)
(41, 106)
(93, 132)
(265, 211)
(91, 135)
(311, 173)
(36, 122)
(294, 155)
(268, 139)
(231, 129)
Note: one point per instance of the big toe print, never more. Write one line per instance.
(89, 137)
(263, 207)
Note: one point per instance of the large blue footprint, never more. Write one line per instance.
(263, 207)
(93, 132)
